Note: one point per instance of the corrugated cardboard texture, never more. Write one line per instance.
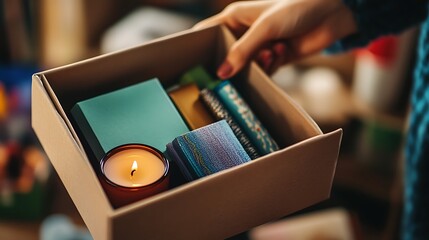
(221, 205)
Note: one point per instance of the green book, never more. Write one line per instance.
(141, 113)
(199, 76)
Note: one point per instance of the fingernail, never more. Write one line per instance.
(268, 61)
(265, 59)
(224, 70)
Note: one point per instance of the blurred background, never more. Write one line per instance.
(364, 91)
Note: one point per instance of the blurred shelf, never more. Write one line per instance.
(357, 176)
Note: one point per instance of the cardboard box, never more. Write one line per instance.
(214, 207)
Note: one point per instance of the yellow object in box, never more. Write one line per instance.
(186, 99)
(3, 102)
(223, 204)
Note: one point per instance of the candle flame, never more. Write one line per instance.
(134, 168)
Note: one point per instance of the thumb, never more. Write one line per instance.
(242, 50)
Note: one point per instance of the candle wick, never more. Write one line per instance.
(132, 172)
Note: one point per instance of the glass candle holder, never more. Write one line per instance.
(132, 172)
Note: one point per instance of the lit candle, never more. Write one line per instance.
(135, 167)
(132, 172)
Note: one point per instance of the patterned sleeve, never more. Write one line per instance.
(375, 18)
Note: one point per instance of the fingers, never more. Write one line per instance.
(265, 58)
(237, 57)
(311, 42)
(236, 16)
(214, 20)
(225, 70)
(298, 29)
(235, 26)
(273, 56)
(331, 28)
(240, 13)
(242, 50)
(281, 56)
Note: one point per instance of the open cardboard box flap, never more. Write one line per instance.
(214, 207)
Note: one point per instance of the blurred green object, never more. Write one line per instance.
(383, 137)
(199, 76)
(32, 205)
(24, 180)
(379, 144)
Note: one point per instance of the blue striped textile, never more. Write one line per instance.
(207, 150)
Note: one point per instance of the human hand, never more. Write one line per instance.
(279, 31)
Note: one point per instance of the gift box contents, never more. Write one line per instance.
(207, 150)
(141, 133)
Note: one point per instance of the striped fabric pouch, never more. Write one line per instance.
(207, 150)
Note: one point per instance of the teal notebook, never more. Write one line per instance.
(141, 113)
